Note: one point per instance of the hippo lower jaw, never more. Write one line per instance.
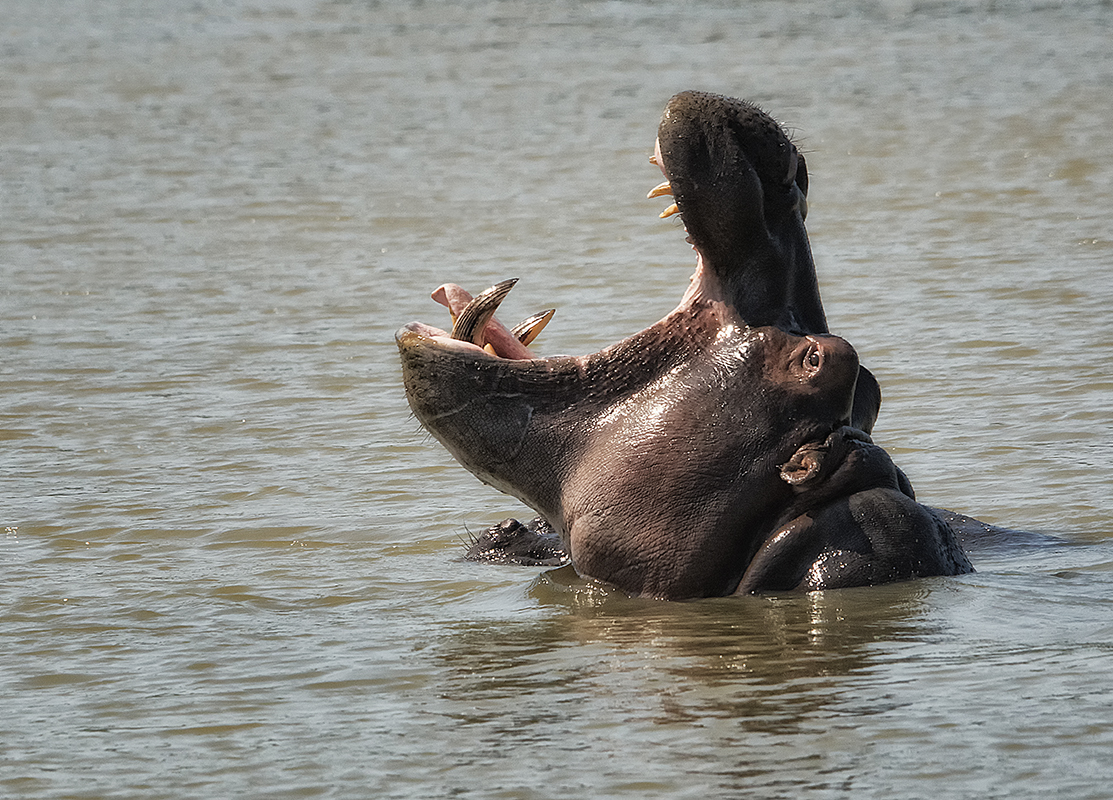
(495, 339)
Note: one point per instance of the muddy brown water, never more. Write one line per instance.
(230, 556)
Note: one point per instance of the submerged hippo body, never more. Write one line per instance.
(725, 448)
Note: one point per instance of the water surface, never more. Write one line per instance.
(231, 557)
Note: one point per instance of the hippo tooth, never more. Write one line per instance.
(668, 212)
(527, 329)
(661, 189)
(470, 322)
(653, 159)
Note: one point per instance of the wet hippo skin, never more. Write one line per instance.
(724, 449)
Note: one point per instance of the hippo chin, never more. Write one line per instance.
(725, 449)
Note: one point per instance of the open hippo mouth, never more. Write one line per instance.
(678, 462)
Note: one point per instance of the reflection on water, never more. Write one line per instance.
(764, 640)
(856, 691)
(231, 557)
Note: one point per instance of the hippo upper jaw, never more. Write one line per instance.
(740, 186)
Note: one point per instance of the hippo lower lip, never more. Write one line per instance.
(709, 453)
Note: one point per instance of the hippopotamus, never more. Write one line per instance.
(723, 450)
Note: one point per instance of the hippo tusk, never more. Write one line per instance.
(526, 330)
(470, 322)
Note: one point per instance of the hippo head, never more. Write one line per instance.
(669, 461)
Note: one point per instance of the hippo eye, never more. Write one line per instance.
(813, 360)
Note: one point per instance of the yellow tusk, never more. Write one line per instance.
(527, 330)
(668, 212)
(657, 191)
(653, 159)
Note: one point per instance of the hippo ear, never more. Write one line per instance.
(805, 466)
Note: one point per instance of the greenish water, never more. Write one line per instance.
(230, 557)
